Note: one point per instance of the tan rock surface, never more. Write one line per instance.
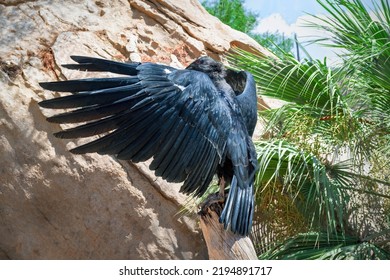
(56, 205)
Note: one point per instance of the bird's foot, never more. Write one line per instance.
(213, 201)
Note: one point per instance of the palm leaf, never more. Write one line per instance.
(288, 79)
(326, 160)
(305, 179)
(365, 36)
(314, 245)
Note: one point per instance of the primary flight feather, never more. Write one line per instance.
(194, 123)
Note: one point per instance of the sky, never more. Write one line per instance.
(288, 17)
(290, 10)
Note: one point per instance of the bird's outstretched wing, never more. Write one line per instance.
(178, 117)
(175, 116)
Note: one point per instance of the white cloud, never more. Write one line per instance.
(276, 23)
(305, 34)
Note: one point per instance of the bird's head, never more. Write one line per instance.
(208, 65)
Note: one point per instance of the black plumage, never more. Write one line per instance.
(195, 123)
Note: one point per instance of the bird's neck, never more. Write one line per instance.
(223, 86)
(217, 77)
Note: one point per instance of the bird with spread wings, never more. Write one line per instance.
(194, 123)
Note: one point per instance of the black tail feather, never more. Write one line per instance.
(239, 208)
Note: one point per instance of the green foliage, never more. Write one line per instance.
(234, 14)
(277, 43)
(321, 246)
(325, 157)
(312, 185)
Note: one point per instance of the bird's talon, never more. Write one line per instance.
(210, 201)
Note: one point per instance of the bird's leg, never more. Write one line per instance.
(222, 189)
(214, 198)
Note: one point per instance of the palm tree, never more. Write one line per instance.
(324, 177)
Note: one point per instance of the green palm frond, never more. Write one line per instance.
(316, 111)
(310, 184)
(364, 35)
(289, 80)
(277, 217)
(321, 246)
(324, 160)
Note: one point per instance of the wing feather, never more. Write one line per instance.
(177, 117)
(85, 63)
(154, 111)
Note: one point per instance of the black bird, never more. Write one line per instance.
(194, 122)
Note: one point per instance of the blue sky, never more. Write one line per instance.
(289, 9)
(288, 16)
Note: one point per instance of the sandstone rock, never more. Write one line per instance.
(56, 205)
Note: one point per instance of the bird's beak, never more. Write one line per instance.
(191, 66)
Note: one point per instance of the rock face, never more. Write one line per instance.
(56, 205)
